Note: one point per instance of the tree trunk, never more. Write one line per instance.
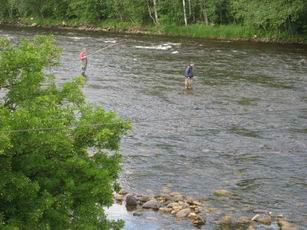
(155, 11)
(184, 13)
(204, 10)
(190, 8)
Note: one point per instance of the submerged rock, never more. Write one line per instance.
(225, 220)
(152, 204)
(222, 192)
(131, 200)
(137, 213)
(285, 225)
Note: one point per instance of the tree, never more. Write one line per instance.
(184, 13)
(59, 157)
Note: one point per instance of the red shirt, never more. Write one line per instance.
(82, 55)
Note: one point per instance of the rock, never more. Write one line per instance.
(251, 227)
(197, 203)
(165, 210)
(183, 213)
(152, 204)
(118, 198)
(267, 219)
(137, 213)
(144, 199)
(172, 205)
(131, 200)
(122, 192)
(192, 215)
(33, 24)
(244, 220)
(222, 192)
(175, 194)
(225, 220)
(198, 220)
(197, 210)
(189, 200)
(178, 198)
(285, 225)
(183, 204)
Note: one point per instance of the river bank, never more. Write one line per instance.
(200, 31)
(199, 212)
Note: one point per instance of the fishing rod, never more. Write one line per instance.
(106, 47)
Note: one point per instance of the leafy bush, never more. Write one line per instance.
(59, 155)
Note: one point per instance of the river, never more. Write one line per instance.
(243, 127)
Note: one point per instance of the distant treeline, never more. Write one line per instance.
(288, 16)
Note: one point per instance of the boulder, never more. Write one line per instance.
(152, 204)
(131, 200)
(183, 213)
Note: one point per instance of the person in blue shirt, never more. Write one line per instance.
(188, 73)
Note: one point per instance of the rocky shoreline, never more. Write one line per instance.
(187, 208)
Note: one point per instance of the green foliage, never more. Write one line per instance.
(273, 18)
(59, 157)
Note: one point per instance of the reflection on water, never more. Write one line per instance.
(242, 127)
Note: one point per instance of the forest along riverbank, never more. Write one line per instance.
(261, 20)
(242, 128)
(201, 31)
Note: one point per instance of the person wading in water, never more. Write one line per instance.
(83, 59)
(188, 73)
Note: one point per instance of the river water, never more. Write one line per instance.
(243, 127)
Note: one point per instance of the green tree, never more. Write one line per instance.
(59, 157)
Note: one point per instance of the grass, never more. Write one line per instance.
(230, 31)
(209, 31)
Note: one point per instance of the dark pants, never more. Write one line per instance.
(83, 65)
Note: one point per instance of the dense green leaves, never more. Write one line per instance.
(263, 15)
(59, 155)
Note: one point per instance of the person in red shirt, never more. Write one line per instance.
(83, 59)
